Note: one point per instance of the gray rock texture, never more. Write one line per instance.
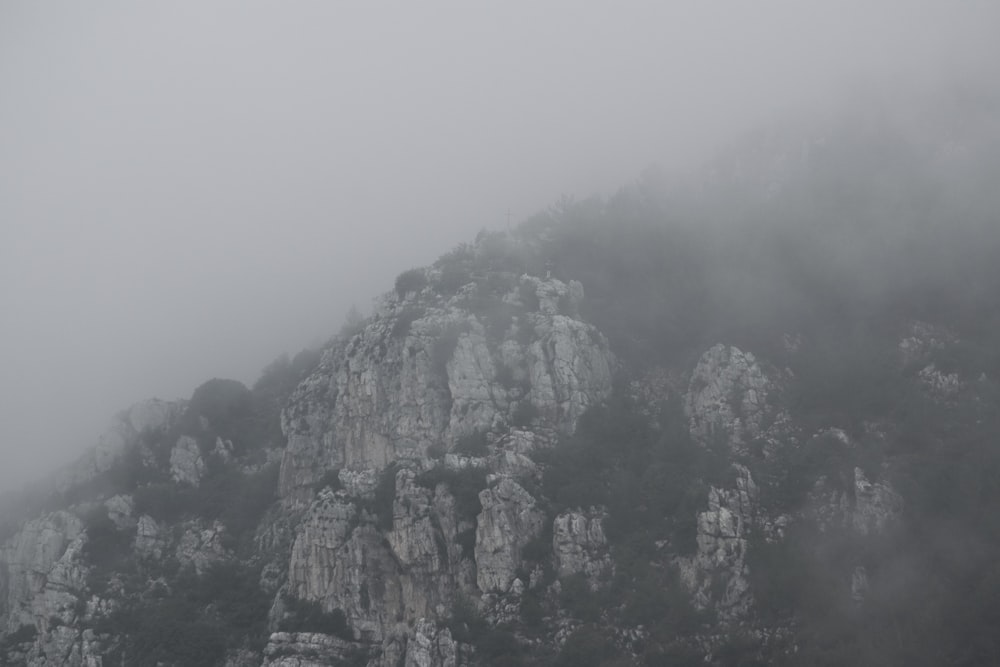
(716, 575)
(727, 398)
(186, 464)
(579, 545)
(425, 375)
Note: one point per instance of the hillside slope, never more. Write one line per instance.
(748, 420)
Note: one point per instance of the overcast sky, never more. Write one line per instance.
(188, 189)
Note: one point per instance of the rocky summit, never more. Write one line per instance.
(612, 436)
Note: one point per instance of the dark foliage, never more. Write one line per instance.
(464, 485)
(309, 616)
(23, 635)
(524, 414)
(385, 497)
(330, 479)
(196, 621)
(412, 280)
(473, 444)
(444, 347)
(238, 499)
(406, 317)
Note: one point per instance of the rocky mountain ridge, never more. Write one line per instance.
(604, 438)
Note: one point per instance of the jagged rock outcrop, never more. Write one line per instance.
(432, 646)
(120, 509)
(200, 545)
(150, 541)
(425, 373)
(341, 560)
(579, 545)
(42, 572)
(716, 574)
(186, 464)
(876, 505)
(728, 398)
(43, 582)
(509, 520)
(307, 649)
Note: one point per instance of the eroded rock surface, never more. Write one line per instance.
(727, 398)
(426, 373)
(717, 573)
(509, 520)
(579, 545)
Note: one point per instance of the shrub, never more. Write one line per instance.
(23, 635)
(331, 478)
(412, 280)
(467, 540)
(406, 317)
(505, 376)
(473, 444)
(529, 296)
(539, 548)
(453, 278)
(309, 616)
(224, 403)
(576, 597)
(105, 543)
(587, 647)
(195, 621)
(464, 485)
(385, 496)
(524, 414)
(465, 622)
(444, 347)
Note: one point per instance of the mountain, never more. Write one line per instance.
(750, 417)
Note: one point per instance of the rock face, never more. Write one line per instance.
(509, 520)
(579, 545)
(200, 545)
(426, 373)
(424, 376)
(43, 583)
(306, 649)
(186, 464)
(716, 574)
(432, 647)
(42, 572)
(727, 398)
(875, 505)
(150, 541)
(412, 487)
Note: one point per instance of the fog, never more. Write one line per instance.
(187, 190)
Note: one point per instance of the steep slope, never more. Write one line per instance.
(753, 422)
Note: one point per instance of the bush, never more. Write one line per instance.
(453, 278)
(412, 280)
(385, 496)
(473, 444)
(464, 485)
(406, 317)
(195, 621)
(23, 635)
(465, 622)
(224, 403)
(444, 347)
(105, 543)
(587, 647)
(576, 597)
(331, 479)
(524, 414)
(309, 616)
